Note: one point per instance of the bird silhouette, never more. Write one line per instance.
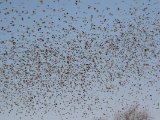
(76, 62)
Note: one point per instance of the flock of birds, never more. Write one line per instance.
(76, 58)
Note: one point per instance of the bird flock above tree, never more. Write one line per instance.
(59, 59)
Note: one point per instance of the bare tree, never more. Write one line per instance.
(133, 113)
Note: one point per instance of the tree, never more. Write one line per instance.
(133, 113)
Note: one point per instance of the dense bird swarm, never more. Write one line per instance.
(73, 60)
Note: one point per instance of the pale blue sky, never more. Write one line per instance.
(107, 70)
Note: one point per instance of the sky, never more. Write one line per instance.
(78, 59)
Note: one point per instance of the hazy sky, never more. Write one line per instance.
(78, 59)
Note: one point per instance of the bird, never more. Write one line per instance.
(73, 63)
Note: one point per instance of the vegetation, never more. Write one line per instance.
(133, 113)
